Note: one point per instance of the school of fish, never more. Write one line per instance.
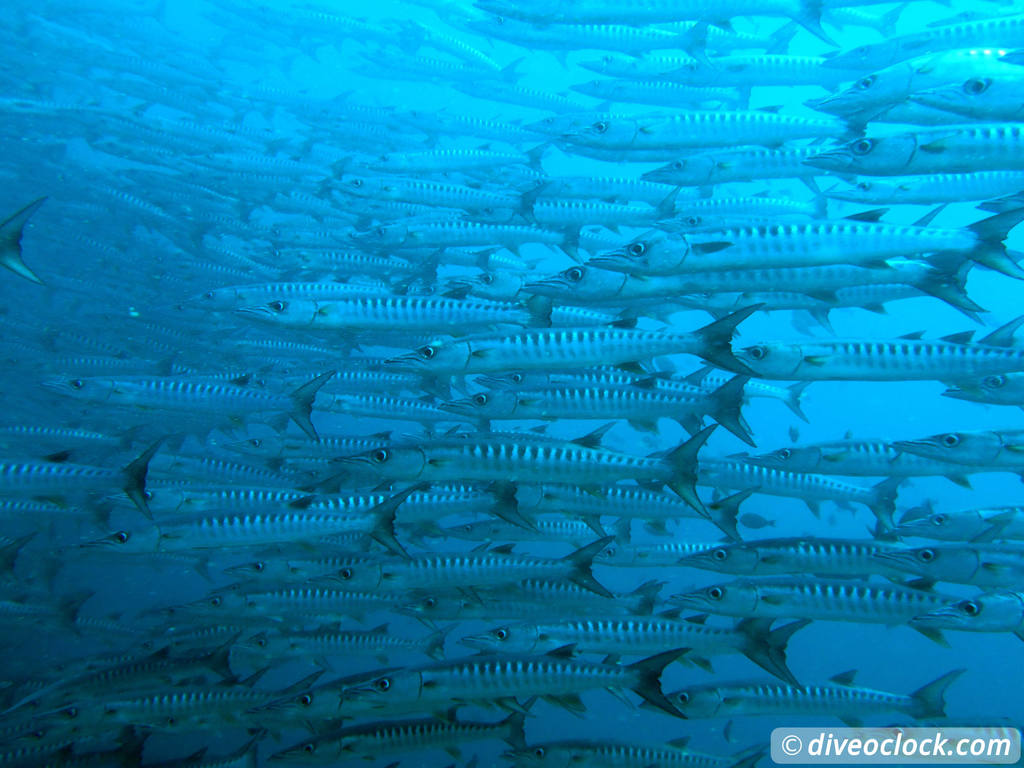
(405, 385)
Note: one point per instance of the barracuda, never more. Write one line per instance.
(642, 637)
(990, 612)
(488, 569)
(568, 348)
(373, 740)
(994, 451)
(929, 189)
(390, 313)
(860, 240)
(770, 557)
(858, 458)
(973, 525)
(743, 164)
(842, 699)
(690, 130)
(642, 406)
(320, 646)
(533, 462)
(819, 599)
(497, 679)
(811, 489)
(956, 149)
(988, 96)
(372, 515)
(909, 358)
(982, 565)
(192, 397)
(49, 480)
(675, 754)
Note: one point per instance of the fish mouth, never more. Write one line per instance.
(460, 407)
(410, 360)
(687, 600)
(613, 262)
(835, 159)
(945, 617)
(253, 311)
(545, 284)
(477, 642)
(900, 558)
(920, 447)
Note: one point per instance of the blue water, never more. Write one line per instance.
(120, 245)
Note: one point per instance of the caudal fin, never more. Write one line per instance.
(990, 249)
(647, 680)
(930, 699)
(135, 478)
(727, 405)
(716, 340)
(767, 647)
(883, 502)
(724, 512)
(302, 403)
(683, 463)
(11, 231)
(582, 560)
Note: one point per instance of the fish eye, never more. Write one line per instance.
(693, 221)
(208, 295)
(216, 601)
(864, 186)
(427, 352)
(480, 399)
(345, 573)
(637, 249)
(381, 455)
(939, 519)
(716, 593)
(977, 85)
(278, 306)
(256, 443)
(683, 697)
(309, 748)
(147, 495)
(785, 453)
(926, 555)
(574, 275)
(952, 440)
(487, 278)
(430, 602)
(539, 752)
(970, 607)
(863, 146)
(122, 537)
(517, 378)
(757, 353)
(383, 684)
(77, 383)
(678, 165)
(380, 231)
(258, 566)
(306, 699)
(721, 555)
(994, 382)
(866, 82)
(600, 126)
(501, 634)
(71, 711)
(357, 183)
(261, 642)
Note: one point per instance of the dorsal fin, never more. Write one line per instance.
(1003, 335)
(927, 219)
(913, 336)
(959, 338)
(593, 439)
(844, 678)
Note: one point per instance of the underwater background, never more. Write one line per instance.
(187, 149)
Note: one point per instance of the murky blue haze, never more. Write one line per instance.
(185, 148)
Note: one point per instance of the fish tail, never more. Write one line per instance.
(990, 249)
(724, 512)
(883, 503)
(135, 478)
(794, 394)
(383, 530)
(716, 340)
(930, 699)
(582, 560)
(11, 231)
(302, 403)
(683, 462)
(766, 647)
(647, 684)
(727, 408)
